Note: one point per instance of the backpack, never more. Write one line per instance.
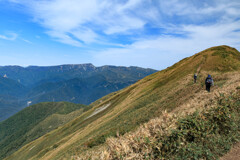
(209, 81)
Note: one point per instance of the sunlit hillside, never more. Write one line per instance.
(170, 90)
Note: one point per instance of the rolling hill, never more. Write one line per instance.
(82, 84)
(33, 122)
(170, 90)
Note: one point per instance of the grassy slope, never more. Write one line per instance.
(134, 105)
(33, 122)
(206, 133)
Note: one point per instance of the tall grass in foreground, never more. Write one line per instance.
(208, 134)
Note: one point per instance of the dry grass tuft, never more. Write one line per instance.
(136, 145)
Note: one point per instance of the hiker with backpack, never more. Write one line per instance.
(209, 82)
(195, 77)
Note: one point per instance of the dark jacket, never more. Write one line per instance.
(195, 76)
(209, 81)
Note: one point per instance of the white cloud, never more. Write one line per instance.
(9, 36)
(86, 35)
(122, 17)
(116, 18)
(124, 24)
(27, 41)
(64, 38)
(166, 30)
(164, 51)
(75, 17)
(189, 8)
(63, 15)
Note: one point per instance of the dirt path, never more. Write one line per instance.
(100, 109)
(200, 66)
(203, 99)
(233, 154)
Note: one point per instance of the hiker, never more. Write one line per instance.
(209, 82)
(195, 77)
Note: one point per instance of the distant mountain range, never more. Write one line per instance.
(83, 83)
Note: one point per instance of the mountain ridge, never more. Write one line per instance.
(167, 90)
(37, 84)
(12, 71)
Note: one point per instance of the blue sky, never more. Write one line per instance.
(145, 33)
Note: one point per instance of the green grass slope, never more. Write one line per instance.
(125, 110)
(33, 122)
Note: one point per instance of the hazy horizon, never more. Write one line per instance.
(70, 64)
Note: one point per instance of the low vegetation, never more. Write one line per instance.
(206, 134)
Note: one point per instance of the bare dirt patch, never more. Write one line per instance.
(233, 154)
(98, 110)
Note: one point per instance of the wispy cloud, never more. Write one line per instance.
(77, 22)
(64, 38)
(27, 41)
(162, 51)
(9, 36)
(152, 30)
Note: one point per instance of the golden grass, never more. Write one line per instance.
(132, 146)
(171, 89)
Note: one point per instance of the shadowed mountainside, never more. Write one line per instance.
(82, 84)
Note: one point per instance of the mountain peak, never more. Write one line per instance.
(221, 50)
(220, 58)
